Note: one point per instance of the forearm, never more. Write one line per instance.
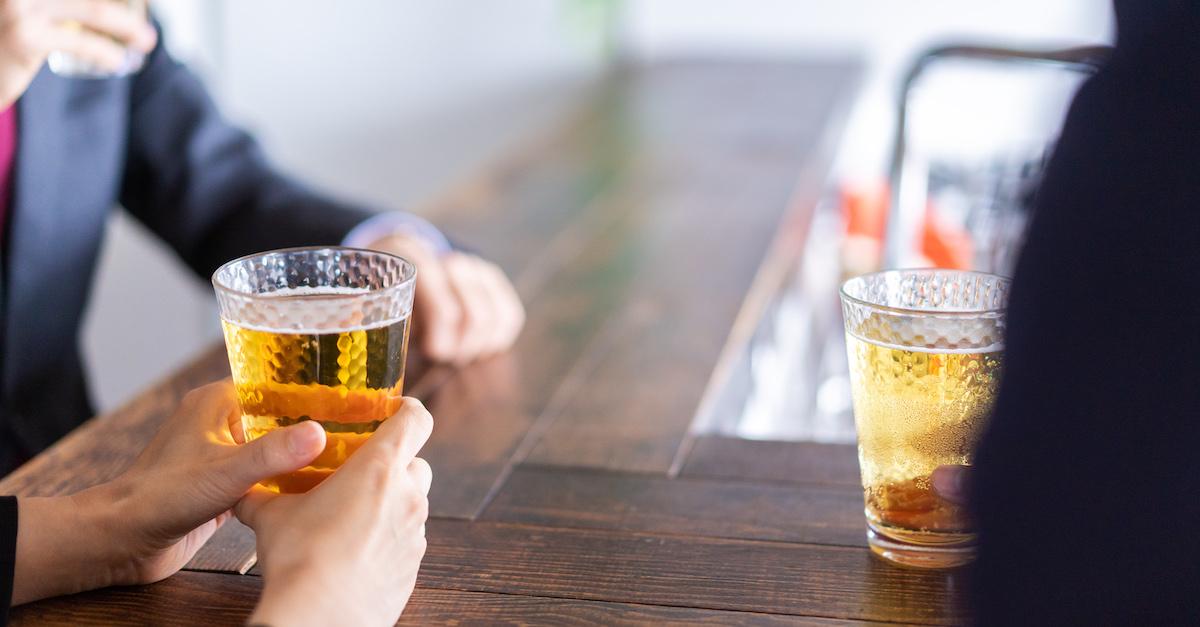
(62, 548)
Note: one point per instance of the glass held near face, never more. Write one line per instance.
(70, 66)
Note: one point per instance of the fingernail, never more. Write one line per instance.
(303, 439)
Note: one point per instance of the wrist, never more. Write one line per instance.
(396, 224)
(105, 510)
(297, 595)
(64, 545)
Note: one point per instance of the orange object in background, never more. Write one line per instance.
(945, 246)
(865, 209)
(864, 206)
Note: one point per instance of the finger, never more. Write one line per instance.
(438, 313)
(211, 408)
(510, 312)
(495, 329)
(249, 508)
(397, 440)
(950, 483)
(237, 429)
(106, 18)
(226, 393)
(513, 302)
(421, 474)
(279, 451)
(477, 312)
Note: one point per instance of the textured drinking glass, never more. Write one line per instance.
(316, 334)
(69, 66)
(925, 350)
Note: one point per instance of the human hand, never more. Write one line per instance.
(96, 31)
(464, 307)
(347, 551)
(951, 483)
(149, 521)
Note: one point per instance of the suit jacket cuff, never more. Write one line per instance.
(383, 225)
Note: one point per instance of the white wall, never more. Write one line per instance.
(390, 100)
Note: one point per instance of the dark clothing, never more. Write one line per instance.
(155, 143)
(8, 553)
(1087, 487)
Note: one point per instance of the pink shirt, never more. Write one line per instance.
(8, 153)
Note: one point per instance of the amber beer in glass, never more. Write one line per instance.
(316, 334)
(925, 349)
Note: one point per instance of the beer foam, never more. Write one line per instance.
(293, 310)
(990, 348)
(931, 335)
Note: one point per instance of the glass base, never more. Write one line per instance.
(68, 66)
(918, 555)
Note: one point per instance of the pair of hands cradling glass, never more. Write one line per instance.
(358, 567)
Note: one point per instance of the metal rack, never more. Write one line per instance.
(909, 185)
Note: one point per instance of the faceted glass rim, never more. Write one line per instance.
(964, 313)
(408, 274)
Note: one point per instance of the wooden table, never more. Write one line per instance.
(646, 235)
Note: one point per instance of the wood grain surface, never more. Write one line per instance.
(556, 497)
(734, 157)
(645, 234)
(720, 457)
(216, 600)
(684, 570)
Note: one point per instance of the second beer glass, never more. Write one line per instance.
(925, 351)
(316, 334)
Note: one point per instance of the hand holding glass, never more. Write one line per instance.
(68, 65)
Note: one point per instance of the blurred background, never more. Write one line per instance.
(390, 102)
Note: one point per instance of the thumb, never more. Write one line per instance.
(951, 483)
(278, 452)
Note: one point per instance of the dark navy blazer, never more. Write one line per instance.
(155, 144)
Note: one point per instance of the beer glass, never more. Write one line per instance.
(69, 66)
(316, 334)
(925, 349)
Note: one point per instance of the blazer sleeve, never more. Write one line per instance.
(8, 553)
(204, 186)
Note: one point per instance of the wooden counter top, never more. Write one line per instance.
(646, 235)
